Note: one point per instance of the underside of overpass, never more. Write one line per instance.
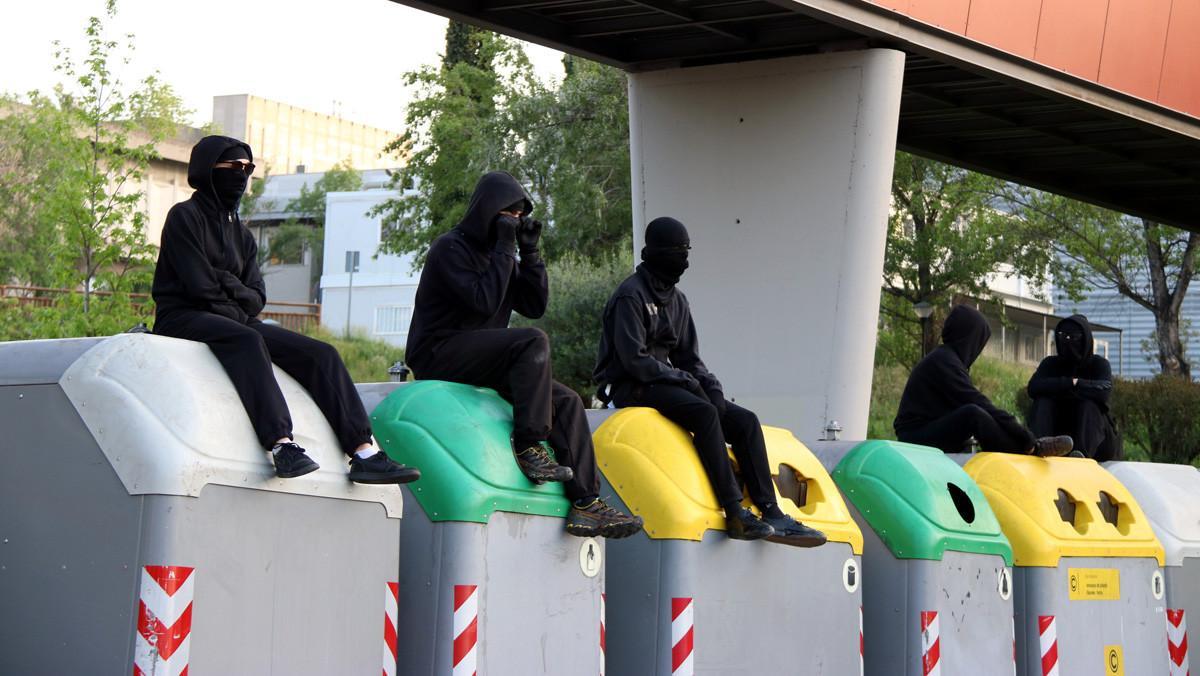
(962, 102)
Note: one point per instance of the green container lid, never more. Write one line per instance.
(458, 436)
(920, 503)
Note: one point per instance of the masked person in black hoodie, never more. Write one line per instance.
(471, 283)
(208, 288)
(940, 406)
(649, 356)
(1070, 393)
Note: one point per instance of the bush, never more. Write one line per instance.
(1161, 416)
(366, 359)
(578, 292)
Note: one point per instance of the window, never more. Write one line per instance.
(392, 319)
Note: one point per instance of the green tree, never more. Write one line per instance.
(95, 138)
(946, 235)
(1146, 262)
(305, 230)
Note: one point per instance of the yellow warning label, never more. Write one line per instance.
(1114, 661)
(1094, 584)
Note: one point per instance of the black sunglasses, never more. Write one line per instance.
(246, 167)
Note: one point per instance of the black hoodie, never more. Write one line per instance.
(1054, 375)
(648, 336)
(207, 260)
(470, 282)
(940, 383)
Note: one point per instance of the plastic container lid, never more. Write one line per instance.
(458, 436)
(919, 502)
(653, 465)
(1170, 497)
(1056, 507)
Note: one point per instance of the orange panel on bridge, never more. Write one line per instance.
(1134, 40)
(948, 15)
(1179, 87)
(1011, 25)
(1071, 35)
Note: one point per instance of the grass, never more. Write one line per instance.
(367, 360)
(999, 380)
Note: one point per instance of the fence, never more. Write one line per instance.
(294, 316)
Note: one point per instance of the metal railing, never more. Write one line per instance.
(294, 316)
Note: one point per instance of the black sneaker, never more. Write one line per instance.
(789, 531)
(380, 469)
(291, 461)
(1053, 447)
(744, 525)
(598, 519)
(537, 465)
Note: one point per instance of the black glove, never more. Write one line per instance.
(717, 398)
(528, 234)
(246, 298)
(506, 234)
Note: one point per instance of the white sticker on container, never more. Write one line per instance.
(1004, 584)
(850, 575)
(590, 557)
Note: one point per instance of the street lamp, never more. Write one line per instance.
(924, 311)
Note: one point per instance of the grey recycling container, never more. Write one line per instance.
(1089, 592)
(490, 582)
(937, 596)
(683, 598)
(1170, 497)
(142, 529)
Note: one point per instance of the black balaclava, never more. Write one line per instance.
(1073, 339)
(966, 331)
(495, 191)
(229, 184)
(665, 255)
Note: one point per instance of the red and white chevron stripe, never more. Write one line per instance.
(861, 645)
(603, 603)
(466, 628)
(1177, 645)
(681, 636)
(164, 624)
(931, 644)
(1048, 641)
(391, 607)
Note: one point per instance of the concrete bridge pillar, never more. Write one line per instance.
(781, 169)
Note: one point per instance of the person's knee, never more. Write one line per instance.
(248, 340)
(743, 418)
(974, 413)
(535, 340)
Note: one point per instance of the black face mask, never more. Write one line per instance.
(229, 184)
(666, 263)
(1070, 344)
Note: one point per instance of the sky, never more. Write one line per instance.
(332, 56)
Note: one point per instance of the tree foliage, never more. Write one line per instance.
(484, 110)
(1148, 263)
(74, 176)
(947, 235)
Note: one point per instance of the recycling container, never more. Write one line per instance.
(937, 596)
(683, 598)
(142, 529)
(1087, 567)
(491, 582)
(1170, 497)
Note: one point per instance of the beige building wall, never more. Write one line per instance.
(285, 137)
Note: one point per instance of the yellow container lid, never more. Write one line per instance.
(652, 464)
(1055, 507)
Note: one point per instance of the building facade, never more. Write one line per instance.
(287, 139)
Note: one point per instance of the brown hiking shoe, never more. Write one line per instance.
(537, 465)
(1053, 447)
(598, 519)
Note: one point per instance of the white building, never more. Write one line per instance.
(378, 297)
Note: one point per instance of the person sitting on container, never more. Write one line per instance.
(208, 288)
(941, 407)
(649, 356)
(1070, 393)
(470, 286)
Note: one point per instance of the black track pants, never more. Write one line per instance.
(1093, 432)
(247, 351)
(951, 431)
(710, 431)
(516, 363)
